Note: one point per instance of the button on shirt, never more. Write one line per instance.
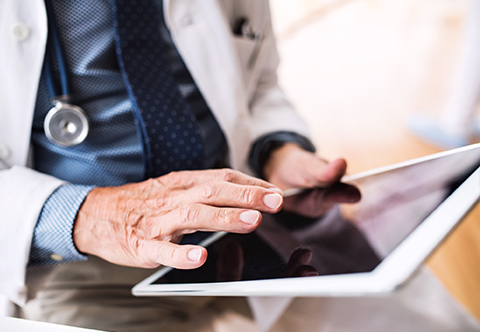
(113, 153)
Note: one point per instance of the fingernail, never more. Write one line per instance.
(194, 255)
(277, 190)
(249, 217)
(273, 201)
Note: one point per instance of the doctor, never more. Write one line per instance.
(178, 85)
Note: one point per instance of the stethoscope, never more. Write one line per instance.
(65, 124)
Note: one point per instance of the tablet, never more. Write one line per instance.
(366, 235)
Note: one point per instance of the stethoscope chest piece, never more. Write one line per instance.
(66, 125)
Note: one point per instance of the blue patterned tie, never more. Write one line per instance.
(173, 136)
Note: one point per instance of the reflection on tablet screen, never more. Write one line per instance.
(346, 228)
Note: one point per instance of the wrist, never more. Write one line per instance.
(88, 221)
(264, 145)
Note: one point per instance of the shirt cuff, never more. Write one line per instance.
(52, 241)
(264, 145)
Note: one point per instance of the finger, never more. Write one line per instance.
(189, 179)
(324, 175)
(169, 254)
(222, 193)
(200, 217)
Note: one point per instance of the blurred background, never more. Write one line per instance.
(356, 70)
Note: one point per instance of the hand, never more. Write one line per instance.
(140, 224)
(290, 166)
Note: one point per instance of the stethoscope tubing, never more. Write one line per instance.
(65, 125)
(60, 56)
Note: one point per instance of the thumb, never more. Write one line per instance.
(327, 174)
(154, 252)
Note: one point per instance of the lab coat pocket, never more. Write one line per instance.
(246, 50)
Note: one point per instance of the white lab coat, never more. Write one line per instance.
(245, 100)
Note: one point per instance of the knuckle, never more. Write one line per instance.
(248, 195)
(152, 182)
(174, 254)
(160, 202)
(228, 174)
(188, 213)
(149, 186)
(208, 191)
(173, 177)
(224, 216)
(164, 233)
(163, 201)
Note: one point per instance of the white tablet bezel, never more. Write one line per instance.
(393, 272)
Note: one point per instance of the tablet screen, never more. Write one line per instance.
(347, 228)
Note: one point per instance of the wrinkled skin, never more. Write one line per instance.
(141, 224)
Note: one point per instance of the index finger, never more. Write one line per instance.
(189, 179)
